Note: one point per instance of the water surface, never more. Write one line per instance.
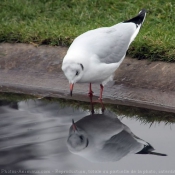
(33, 136)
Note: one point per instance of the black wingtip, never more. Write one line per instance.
(139, 18)
(142, 14)
(146, 150)
(143, 11)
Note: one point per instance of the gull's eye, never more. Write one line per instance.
(77, 73)
(81, 138)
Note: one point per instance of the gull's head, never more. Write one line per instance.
(77, 140)
(73, 72)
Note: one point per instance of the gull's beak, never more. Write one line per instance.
(71, 88)
(74, 126)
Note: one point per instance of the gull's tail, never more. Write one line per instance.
(157, 154)
(139, 19)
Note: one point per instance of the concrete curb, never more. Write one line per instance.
(37, 71)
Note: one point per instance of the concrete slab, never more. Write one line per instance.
(37, 70)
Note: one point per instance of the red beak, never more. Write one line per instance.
(74, 126)
(71, 88)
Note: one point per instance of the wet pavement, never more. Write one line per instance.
(37, 70)
(34, 133)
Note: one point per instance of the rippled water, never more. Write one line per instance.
(33, 137)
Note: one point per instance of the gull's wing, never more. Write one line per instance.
(108, 44)
(120, 145)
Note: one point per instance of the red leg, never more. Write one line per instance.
(91, 96)
(100, 98)
(90, 90)
(101, 92)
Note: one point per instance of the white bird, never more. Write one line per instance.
(95, 55)
(101, 138)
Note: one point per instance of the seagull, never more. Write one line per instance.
(102, 138)
(95, 55)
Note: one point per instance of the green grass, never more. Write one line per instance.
(58, 22)
(14, 97)
(144, 116)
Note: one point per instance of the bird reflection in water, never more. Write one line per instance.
(104, 138)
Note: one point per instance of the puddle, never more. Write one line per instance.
(34, 133)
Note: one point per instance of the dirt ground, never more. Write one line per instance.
(35, 70)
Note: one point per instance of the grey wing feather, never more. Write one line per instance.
(120, 44)
(109, 44)
(121, 144)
